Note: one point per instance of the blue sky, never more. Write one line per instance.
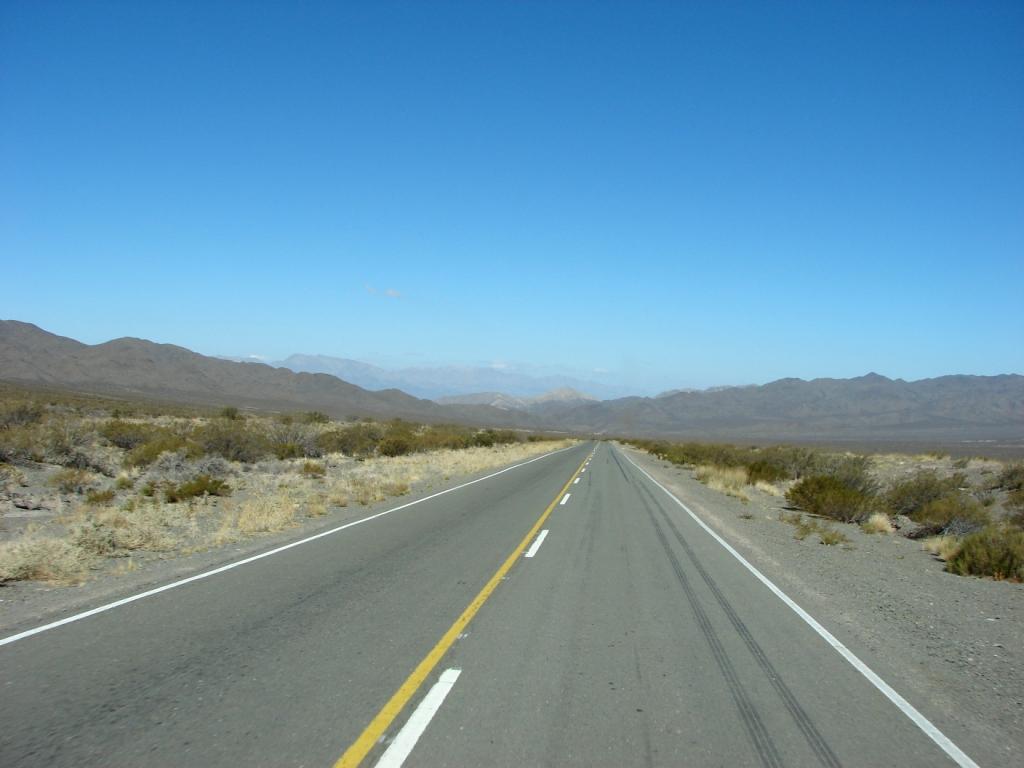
(655, 194)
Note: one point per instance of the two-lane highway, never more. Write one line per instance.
(565, 612)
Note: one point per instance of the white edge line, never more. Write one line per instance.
(414, 727)
(922, 722)
(260, 556)
(564, 500)
(536, 543)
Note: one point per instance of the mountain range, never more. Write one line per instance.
(870, 407)
(438, 382)
(140, 368)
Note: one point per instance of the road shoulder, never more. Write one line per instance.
(952, 645)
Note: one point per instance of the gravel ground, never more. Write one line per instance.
(952, 645)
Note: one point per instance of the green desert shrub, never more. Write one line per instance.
(909, 496)
(831, 497)
(852, 471)
(201, 485)
(993, 551)
(20, 415)
(160, 442)
(955, 514)
(488, 438)
(72, 480)
(100, 497)
(232, 439)
(1012, 477)
(765, 471)
(395, 445)
(128, 434)
(357, 440)
(313, 469)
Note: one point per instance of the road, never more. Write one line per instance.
(565, 612)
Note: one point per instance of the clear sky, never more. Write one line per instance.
(661, 194)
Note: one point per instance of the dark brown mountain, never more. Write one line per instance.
(135, 367)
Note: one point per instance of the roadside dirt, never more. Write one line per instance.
(952, 645)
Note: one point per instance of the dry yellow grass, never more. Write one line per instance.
(728, 480)
(769, 488)
(85, 535)
(44, 559)
(877, 523)
(943, 547)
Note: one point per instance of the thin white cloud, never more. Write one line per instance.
(392, 293)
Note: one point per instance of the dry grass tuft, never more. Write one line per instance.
(728, 480)
(266, 514)
(877, 523)
(769, 488)
(43, 559)
(943, 547)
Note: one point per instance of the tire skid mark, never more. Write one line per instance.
(803, 721)
(756, 730)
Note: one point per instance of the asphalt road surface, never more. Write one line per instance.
(567, 612)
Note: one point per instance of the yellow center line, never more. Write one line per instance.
(361, 747)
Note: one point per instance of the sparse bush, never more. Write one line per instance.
(95, 538)
(123, 482)
(395, 445)
(20, 415)
(72, 480)
(10, 476)
(394, 488)
(877, 523)
(1012, 477)
(234, 440)
(488, 438)
(854, 472)
(266, 514)
(203, 485)
(147, 527)
(313, 469)
(42, 559)
(64, 440)
(908, 497)
(728, 480)
(994, 551)
(293, 441)
(127, 434)
(766, 472)
(100, 497)
(830, 536)
(943, 547)
(161, 442)
(315, 417)
(1015, 505)
(357, 440)
(230, 413)
(831, 497)
(955, 513)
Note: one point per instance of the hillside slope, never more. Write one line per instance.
(136, 367)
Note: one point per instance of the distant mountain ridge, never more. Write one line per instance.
(439, 381)
(136, 367)
(870, 407)
(866, 407)
(562, 396)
